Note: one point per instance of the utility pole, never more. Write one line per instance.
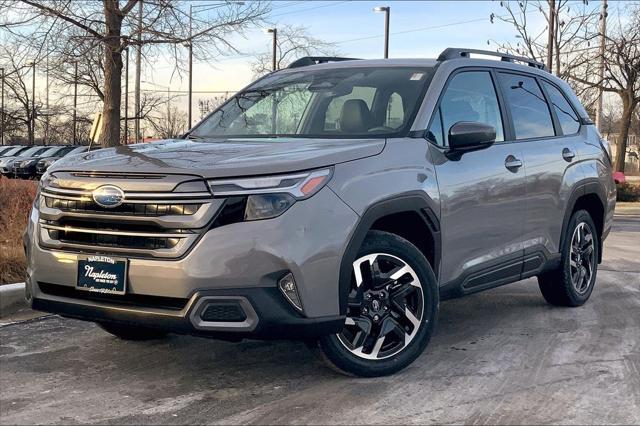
(603, 38)
(126, 96)
(2, 109)
(190, 97)
(551, 33)
(75, 104)
(32, 138)
(46, 116)
(387, 12)
(138, 73)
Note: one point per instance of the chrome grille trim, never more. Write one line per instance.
(105, 232)
(147, 200)
(129, 196)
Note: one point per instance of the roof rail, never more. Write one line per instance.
(314, 60)
(455, 53)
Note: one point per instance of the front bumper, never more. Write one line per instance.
(267, 315)
(242, 261)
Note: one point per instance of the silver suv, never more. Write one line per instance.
(336, 201)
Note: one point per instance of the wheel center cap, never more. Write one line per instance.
(375, 305)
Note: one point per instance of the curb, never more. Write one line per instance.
(12, 299)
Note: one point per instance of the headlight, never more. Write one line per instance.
(270, 196)
(27, 163)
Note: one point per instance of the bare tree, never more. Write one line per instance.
(573, 25)
(209, 104)
(18, 76)
(111, 25)
(169, 124)
(291, 43)
(622, 72)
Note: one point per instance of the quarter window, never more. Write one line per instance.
(529, 109)
(567, 117)
(470, 96)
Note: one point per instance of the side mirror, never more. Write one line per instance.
(471, 135)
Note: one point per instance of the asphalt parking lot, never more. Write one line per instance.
(503, 356)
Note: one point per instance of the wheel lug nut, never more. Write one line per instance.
(365, 310)
(376, 318)
(386, 308)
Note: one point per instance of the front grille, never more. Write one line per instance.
(109, 240)
(129, 299)
(147, 224)
(135, 209)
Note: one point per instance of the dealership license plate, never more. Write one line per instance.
(102, 274)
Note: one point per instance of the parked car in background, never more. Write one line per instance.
(25, 168)
(6, 163)
(619, 177)
(10, 151)
(44, 163)
(5, 149)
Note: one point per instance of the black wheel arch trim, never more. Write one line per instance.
(591, 186)
(414, 201)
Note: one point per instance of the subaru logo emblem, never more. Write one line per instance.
(108, 196)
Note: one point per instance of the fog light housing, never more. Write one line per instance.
(287, 286)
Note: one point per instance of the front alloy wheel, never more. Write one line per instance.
(385, 307)
(391, 309)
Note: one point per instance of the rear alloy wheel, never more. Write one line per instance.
(571, 284)
(392, 305)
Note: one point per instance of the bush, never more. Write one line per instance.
(628, 192)
(16, 197)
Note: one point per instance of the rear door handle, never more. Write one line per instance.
(568, 154)
(512, 163)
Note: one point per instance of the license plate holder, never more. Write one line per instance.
(102, 274)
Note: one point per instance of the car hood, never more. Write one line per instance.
(222, 158)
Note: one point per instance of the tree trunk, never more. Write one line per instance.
(628, 106)
(112, 74)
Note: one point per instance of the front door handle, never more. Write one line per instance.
(512, 163)
(568, 155)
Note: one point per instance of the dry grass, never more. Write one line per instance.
(16, 197)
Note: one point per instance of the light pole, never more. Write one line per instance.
(274, 31)
(2, 109)
(126, 97)
(189, 46)
(75, 103)
(32, 136)
(387, 12)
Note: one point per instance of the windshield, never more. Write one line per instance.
(77, 150)
(343, 103)
(32, 152)
(12, 151)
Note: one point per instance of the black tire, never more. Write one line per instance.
(132, 332)
(333, 348)
(557, 286)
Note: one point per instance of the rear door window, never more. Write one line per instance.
(529, 109)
